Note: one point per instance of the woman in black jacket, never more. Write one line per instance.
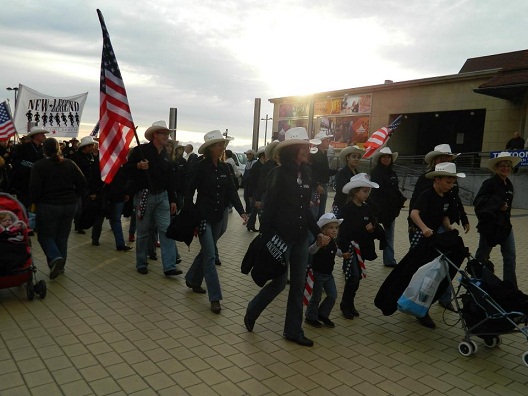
(54, 187)
(351, 156)
(286, 213)
(387, 200)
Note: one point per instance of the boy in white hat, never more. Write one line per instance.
(432, 209)
(324, 252)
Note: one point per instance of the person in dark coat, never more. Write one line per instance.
(286, 213)
(387, 200)
(493, 204)
(321, 173)
(253, 184)
(351, 156)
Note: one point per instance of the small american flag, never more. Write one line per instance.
(380, 137)
(308, 288)
(95, 130)
(7, 127)
(115, 119)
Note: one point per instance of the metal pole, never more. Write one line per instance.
(173, 121)
(266, 127)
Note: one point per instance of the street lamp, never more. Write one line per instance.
(266, 127)
(16, 92)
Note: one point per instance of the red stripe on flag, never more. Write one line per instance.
(308, 288)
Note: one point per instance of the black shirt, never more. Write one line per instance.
(433, 208)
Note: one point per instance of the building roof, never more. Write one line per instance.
(508, 60)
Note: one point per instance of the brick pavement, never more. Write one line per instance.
(104, 329)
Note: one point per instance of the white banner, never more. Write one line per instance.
(60, 116)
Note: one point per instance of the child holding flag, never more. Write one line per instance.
(356, 235)
(324, 252)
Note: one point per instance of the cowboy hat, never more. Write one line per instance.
(250, 152)
(211, 138)
(297, 135)
(444, 169)
(322, 135)
(359, 180)
(328, 218)
(386, 151)
(503, 156)
(156, 127)
(270, 148)
(261, 150)
(441, 149)
(86, 141)
(36, 130)
(349, 150)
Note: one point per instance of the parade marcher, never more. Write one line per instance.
(253, 187)
(351, 156)
(251, 160)
(514, 144)
(286, 213)
(155, 199)
(387, 200)
(211, 179)
(321, 173)
(54, 189)
(493, 205)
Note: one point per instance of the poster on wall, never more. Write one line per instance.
(284, 125)
(61, 116)
(346, 130)
(293, 110)
(349, 104)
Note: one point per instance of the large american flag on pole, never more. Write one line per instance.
(379, 138)
(7, 127)
(116, 128)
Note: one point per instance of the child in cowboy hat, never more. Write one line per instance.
(493, 209)
(358, 228)
(324, 252)
(431, 211)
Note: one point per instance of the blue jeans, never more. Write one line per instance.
(203, 265)
(157, 212)
(116, 210)
(508, 257)
(322, 282)
(388, 252)
(297, 256)
(54, 225)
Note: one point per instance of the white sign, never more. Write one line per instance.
(60, 116)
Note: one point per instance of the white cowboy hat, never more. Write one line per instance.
(444, 169)
(156, 127)
(322, 135)
(297, 135)
(211, 138)
(261, 150)
(328, 218)
(359, 180)
(86, 141)
(385, 151)
(270, 148)
(36, 130)
(441, 149)
(250, 152)
(349, 150)
(503, 156)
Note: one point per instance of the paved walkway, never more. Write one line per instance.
(104, 329)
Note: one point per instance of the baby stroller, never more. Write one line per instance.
(16, 264)
(488, 307)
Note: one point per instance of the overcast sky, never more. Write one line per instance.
(211, 59)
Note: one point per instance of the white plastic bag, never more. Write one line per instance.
(418, 296)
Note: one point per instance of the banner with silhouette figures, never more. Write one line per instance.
(61, 116)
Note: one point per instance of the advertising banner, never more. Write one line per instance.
(61, 116)
(522, 154)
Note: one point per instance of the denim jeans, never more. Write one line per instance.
(116, 211)
(388, 252)
(297, 256)
(157, 212)
(322, 282)
(54, 225)
(203, 265)
(508, 257)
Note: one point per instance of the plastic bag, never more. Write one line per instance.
(419, 295)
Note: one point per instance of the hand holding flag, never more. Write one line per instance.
(379, 138)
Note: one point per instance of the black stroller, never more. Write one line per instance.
(488, 307)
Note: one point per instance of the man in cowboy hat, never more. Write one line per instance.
(493, 209)
(253, 186)
(85, 159)
(150, 168)
(23, 159)
(250, 155)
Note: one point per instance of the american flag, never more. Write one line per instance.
(380, 137)
(95, 130)
(115, 120)
(7, 128)
(308, 288)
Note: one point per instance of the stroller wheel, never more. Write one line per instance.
(41, 289)
(492, 342)
(465, 348)
(474, 345)
(30, 291)
(525, 358)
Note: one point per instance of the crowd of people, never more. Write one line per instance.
(286, 186)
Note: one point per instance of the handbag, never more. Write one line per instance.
(419, 295)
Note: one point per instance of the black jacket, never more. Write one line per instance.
(286, 209)
(343, 176)
(387, 200)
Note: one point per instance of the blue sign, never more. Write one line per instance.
(522, 154)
